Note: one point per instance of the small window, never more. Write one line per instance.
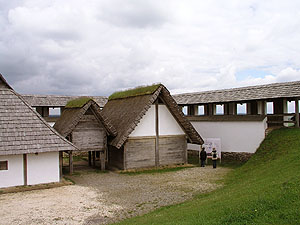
(3, 165)
(185, 110)
(270, 108)
(220, 109)
(291, 106)
(54, 112)
(201, 110)
(241, 109)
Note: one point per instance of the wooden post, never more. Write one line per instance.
(60, 165)
(157, 135)
(25, 168)
(102, 160)
(94, 157)
(90, 158)
(296, 112)
(70, 162)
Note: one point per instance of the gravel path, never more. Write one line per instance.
(101, 198)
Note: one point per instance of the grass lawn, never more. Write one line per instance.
(265, 190)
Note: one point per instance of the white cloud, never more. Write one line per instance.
(97, 47)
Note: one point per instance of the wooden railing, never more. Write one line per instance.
(281, 119)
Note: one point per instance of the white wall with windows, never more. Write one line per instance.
(13, 175)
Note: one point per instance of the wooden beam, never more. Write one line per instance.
(297, 112)
(25, 168)
(102, 160)
(70, 162)
(94, 157)
(90, 158)
(156, 135)
(60, 165)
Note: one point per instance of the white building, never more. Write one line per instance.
(240, 117)
(29, 147)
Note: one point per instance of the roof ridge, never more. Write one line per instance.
(239, 88)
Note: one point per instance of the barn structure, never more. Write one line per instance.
(30, 150)
(151, 129)
(83, 123)
(241, 117)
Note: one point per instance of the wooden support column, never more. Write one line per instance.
(190, 110)
(226, 108)
(196, 112)
(102, 160)
(210, 111)
(25, 168)
(157, 135)
(90, 158)
(232, 108)
(94, 158)
(70, 162)
(297, 112)
(45, 112)
(60, 165)
(264, 108)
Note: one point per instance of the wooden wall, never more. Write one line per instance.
(140, 152)
(172, 150)
(89, 134)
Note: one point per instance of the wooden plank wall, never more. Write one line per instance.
(89, 134)
(140, 152)
(172, 150)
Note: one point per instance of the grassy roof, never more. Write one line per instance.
(143, 90)
(78, 102)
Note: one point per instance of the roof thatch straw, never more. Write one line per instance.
(126, 112)
(142, 90)
(78, 102)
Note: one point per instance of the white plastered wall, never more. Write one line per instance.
(42, 168)
(14, 176)
(236, 136)
(167, 123)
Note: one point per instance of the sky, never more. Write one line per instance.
(96, 47)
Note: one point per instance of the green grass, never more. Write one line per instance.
(265, 190)
(144, 90)
(155, 171)
(78, 102)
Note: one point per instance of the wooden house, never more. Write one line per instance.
(83, 123)
(30, 149)
(151, 129)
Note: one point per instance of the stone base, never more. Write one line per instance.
(236, 156)
(228, 156)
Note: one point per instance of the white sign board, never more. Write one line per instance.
(210, 143)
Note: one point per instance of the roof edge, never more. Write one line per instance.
(5, 82)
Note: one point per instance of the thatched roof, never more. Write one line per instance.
(259, 92)
(23, 130)
(58, 100)
(74, 111)
(126, 112)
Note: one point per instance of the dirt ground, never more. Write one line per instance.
(102, 198)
